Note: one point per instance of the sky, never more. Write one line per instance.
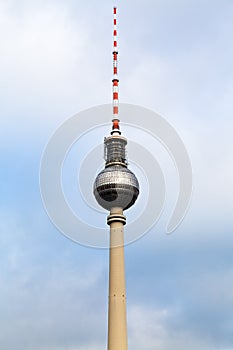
(55, 61)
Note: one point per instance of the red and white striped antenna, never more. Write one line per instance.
(115, 80)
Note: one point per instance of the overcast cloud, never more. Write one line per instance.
(55, 60)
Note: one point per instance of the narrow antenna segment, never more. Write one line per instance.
(115, 80)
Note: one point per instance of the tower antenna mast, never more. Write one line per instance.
(115, 80)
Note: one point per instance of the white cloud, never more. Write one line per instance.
(48, 298)
(146, 326)
(150, 329)
(42, 48)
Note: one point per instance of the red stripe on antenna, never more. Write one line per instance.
(115, 124)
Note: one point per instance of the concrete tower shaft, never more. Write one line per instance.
(117, 321)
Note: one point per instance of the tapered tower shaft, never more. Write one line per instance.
(117, 323)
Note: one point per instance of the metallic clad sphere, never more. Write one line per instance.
(116, 186)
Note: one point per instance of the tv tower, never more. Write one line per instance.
(116, 189)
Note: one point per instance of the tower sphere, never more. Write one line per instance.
(116, 186)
